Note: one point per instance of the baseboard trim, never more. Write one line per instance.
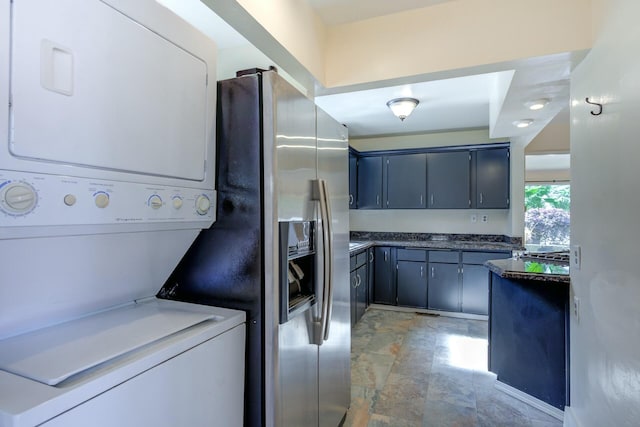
(570, 419)
(430, 312)
(530, 400)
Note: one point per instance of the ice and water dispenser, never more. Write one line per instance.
(297, 268)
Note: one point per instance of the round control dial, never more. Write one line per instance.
(155, 201)
(102, 200)
(18, 198)
(203, 204)
(177, 202)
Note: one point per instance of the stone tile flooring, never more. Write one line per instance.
(418, 370)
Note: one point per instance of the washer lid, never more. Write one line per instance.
(53, 354)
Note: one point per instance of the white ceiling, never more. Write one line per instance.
(460, 99)
(335, 12)
(457, 103)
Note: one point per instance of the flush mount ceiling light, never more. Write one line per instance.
(402, 107)
(523, 123)
(537, 104)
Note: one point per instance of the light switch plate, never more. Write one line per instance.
(485, 218)
(576, 257)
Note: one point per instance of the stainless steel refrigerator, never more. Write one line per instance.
(279, 250)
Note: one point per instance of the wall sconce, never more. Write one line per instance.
(402, 107)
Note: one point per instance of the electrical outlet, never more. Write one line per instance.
(474, 218)
(576, 257)
(576, 308)
(485, 218)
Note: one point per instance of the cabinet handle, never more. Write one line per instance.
(433, 272)
(358, 280)
(431, 199)
(350, 199)
(378, 199)
(421, 271)
(355, 282)
(371, 256)
(480, 197)
(385, 256)
(421, 197)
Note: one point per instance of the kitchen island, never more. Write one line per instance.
(529, 330)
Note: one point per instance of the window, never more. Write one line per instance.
(547, 217)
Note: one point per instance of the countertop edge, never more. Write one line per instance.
(521, 275)
(445, 244)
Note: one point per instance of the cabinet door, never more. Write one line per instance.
(369, 182)
(492, 178)
(370, 275)
(353, 181)
(406, 181)
(412, 284)
(361, 291)
(444, 287)
(353, 282)
(448, 180)
(475, 289)
(385, 284)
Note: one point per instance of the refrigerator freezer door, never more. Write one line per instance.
(334, 353)
(289, 170)
(295, 148)
(298, 360)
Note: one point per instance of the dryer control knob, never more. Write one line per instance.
(177, 202)
(202, 204)
(155, 201)
(19, 198)
(102, 200)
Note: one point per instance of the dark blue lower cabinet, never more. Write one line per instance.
(475, 289)
(384, 291)
(412, 284)
(444, 287)
(529, 337)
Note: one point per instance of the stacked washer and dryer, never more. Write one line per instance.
(107, 168)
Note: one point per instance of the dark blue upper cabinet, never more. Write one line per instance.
(448, 180)
(353, 181)
(370, 182)
(459, 177)
(492, 178)
(406, 179)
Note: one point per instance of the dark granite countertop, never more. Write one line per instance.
(358, 246)
(525, 269)
(476, 242)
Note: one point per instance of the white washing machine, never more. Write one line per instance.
(107, 113)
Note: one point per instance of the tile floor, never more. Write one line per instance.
(418, 370)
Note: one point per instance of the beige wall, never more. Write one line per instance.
(296, 26)
(450, 36)
(454, 35)
(554, 138)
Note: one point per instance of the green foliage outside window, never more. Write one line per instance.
(547, 217)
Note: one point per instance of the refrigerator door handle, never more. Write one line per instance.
(321, 194)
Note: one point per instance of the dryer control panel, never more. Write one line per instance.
(29, 199)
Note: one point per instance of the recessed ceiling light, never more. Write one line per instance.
(523, 123)
(537, 104)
